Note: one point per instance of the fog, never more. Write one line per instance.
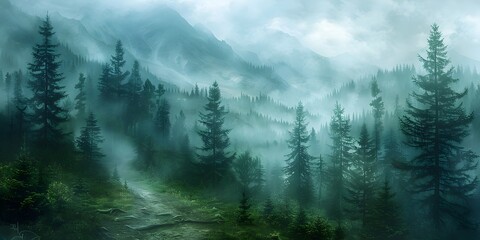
(196, 103)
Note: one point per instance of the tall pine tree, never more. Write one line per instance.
(361, 179)
(88, 146)
(378, 111)
(340, 160)
(435, 124)
(299, 179)
(45, 86)
(216, 160)
(118, 75)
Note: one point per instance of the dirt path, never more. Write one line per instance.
(157, 215)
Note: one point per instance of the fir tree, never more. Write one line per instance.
(146, 101)
(162, 120)
(47, 93)
(88, 146)
(244, 217)
(378, 111)
(81, 98)
(133, 90)
(249, 172)
(105, 84)
(216, 161)
(179, 130)
(362, 177)
(341, 158)
(299, 228)
(299, 180)
(268, 209)
(117, 62)
(435, 124)
(385, 223)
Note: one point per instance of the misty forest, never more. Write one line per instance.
(192, 120)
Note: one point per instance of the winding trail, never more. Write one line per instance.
(157, 215)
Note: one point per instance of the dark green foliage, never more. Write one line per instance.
(81, 98)
(339, 233)
(115, 176)
(320, 172)
(393, 156)
(146, 152)
(47, 92)
(435, 124)
(341, 159)
(162, 121)
(268, 209)
(249, 172)
(117, 62)
(215, 161)
(88, 147)
(320, 228)
(22, 200)
(361, 179)
(133, 91)
(147, 105)
(19, 100)
(299, 228)
(105, 84)
(179, 131)
(378, 111)
(385, 222)
(244, 216)
(299, 180)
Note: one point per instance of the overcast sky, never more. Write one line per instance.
(384, 32)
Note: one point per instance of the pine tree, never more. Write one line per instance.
(249, 172)
(268, 209)
(320, 176)
(8, 86)
(435, 124)
(47, 93)
(88, 146)
(378, 111)
(385, 223)
(341, 159)
(244, 217)
(393, 157)
(117, 62)
(146, 102)
(19, 100)
(361, 178)
(162, 120)
(133, 91)
(298, 173)
(216, 161)
(105, 84)
(299, 228)
(81, 98)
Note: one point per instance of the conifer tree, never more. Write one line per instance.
(88, 146)
(268, 209)
(244, 216)
(19, 100)
(45, 86)
(81, 98)
(118, 75)
(147, 104)
(341, 159)
(162, 120)
(378, 111)
(435, 124)
(133, 91)
(105, 84)
(179, 130)
(249, 172)
(361, 178)
(298, 172)
(385, 222)
(216, 160)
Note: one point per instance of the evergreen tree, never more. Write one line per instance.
(268, 209)
(8, 86)
(146, 101)
(435, 125)
(160, 91)
(216, 161)
(117, 62)
(19, 100)
(249, 172)
(341, 158)
(244, 217)
(378, 111)
(361, 181)
(133, 90)
(88, 146)
(320, 176)
(299, 228)
(47, 93)
(385, 223)
(162, 120)
(81, 98)
(105, 84)
(299, 180)
(393, 157)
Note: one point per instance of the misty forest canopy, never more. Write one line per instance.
(93, 149)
